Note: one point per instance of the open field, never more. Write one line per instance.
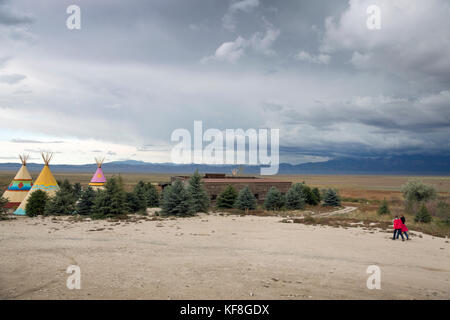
(215, 257)
(367, 186)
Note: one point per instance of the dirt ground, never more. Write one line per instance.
(215, 257)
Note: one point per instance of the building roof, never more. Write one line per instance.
(237, 180)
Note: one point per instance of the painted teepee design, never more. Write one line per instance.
(98, 181)
(19, 186)
(45, 182)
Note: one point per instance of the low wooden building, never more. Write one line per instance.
(215, 183)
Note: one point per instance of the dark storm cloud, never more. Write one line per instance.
(10, 16)
(138, 70)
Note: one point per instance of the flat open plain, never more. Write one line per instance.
(215, 257)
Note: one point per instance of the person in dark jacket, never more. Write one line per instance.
(404, 228)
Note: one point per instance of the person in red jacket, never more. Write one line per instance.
(397, 228)
(404, 228)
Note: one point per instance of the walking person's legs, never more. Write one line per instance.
(406, 234)
(395, 233)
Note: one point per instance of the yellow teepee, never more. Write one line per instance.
(45, 182)
(19, 186)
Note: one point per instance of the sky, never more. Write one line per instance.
(137, 70)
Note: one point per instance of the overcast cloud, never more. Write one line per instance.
(136, 71)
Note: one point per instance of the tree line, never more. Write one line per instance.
(179, 199)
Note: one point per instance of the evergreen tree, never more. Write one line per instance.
(140, 195)
(227, 198)
(246, 200)
(77, 190)
(307, 194)
(197, 191)
(63, 203)
(274, 199)
(316, 196)
(36, 203)
(177, 200)
(423, 215)
(112, 200)
(294, 198)
(331, 199)
(3, 203)
(66, 186)
(384, 208)
(310, 197)
(100, 207)
(153, 197)
(87, 198)
(131, 202)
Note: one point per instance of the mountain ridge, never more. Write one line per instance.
(395, 165)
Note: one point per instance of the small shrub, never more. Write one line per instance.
(317, 195)
(416, 193)
(443, 211)
(3, 203)
(331, 199)
(384, 208)
(423, 215)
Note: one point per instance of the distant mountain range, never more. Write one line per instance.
(396, 165)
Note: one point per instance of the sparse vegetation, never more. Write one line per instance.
(384, 208)
(443, 212)
(423, 215)
(3, 208)
(3, 202)
(417, 193)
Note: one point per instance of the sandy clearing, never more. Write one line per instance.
(215, 257)
(333, 213)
